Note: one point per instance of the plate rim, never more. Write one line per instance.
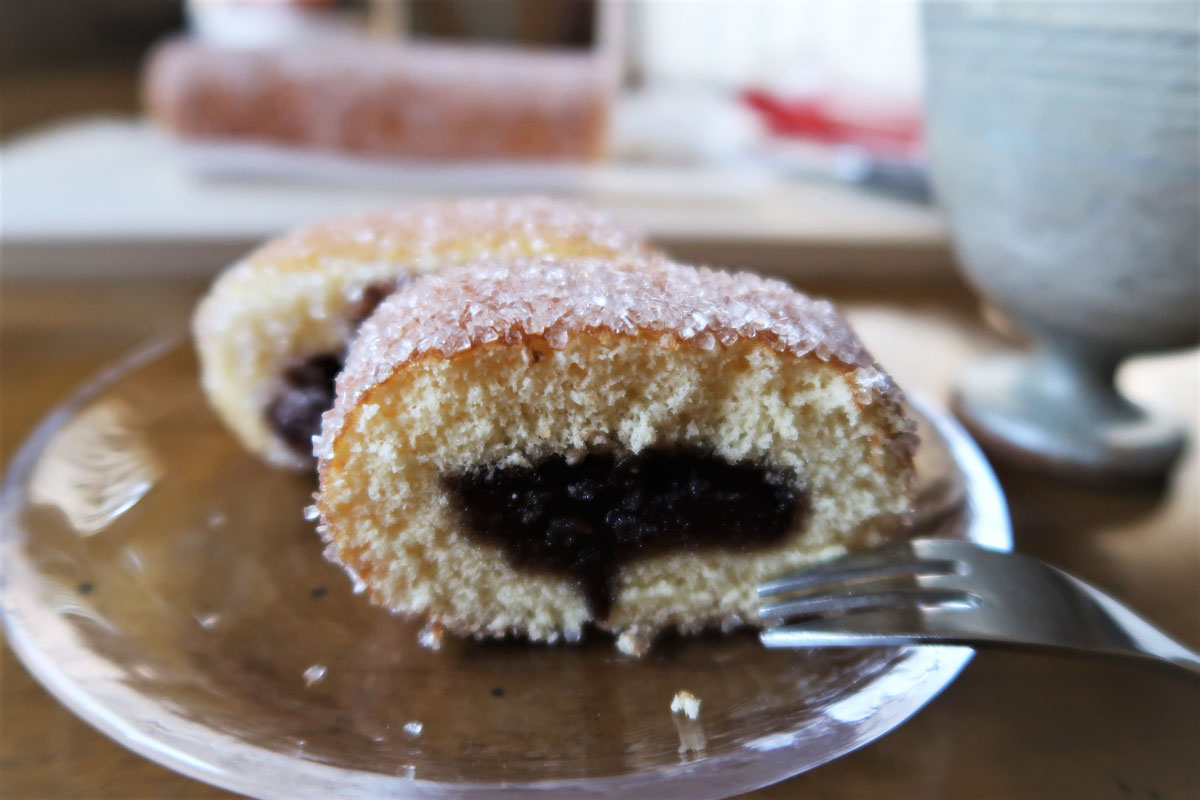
(990, 526)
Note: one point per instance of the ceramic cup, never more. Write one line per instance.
(1065, 152)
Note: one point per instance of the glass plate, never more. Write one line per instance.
(165, 586)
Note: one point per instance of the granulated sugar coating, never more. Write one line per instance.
(528, 447)
(553, 299)
(482, 227)
(299, 299)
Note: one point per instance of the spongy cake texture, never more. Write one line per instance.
(300, 295)
(504, 363)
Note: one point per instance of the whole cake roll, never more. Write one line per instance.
(272, 331)
(411, 101)
(527, 447)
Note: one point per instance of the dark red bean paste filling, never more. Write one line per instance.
(372, 295)
(584, 520)
(307, 389)
(305, 393)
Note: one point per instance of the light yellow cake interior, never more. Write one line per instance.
(504, 404)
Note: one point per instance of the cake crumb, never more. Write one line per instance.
(431, 636)
(685, 714)
(414, 728)
(209, 621)
(633, 642)
(314, 674)
(686, 703)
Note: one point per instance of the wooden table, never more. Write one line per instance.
(1012, 726)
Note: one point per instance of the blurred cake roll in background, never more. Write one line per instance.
(386, 99)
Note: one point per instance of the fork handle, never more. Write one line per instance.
(1144, 639)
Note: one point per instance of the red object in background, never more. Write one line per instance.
(896, 135)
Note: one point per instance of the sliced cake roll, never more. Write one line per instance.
(272, 332)
(529, 446)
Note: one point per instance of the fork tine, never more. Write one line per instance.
(888, 627)
(811, 578)
(956, 549)
(855, 560)
(887, 562)
(1008, 599)
(883, 595)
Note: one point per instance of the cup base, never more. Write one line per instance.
(1077, 431)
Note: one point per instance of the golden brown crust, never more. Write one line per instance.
(555, 299)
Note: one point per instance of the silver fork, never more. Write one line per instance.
(943, 591)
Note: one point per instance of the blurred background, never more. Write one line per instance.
(65, 57)
(728, 130)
